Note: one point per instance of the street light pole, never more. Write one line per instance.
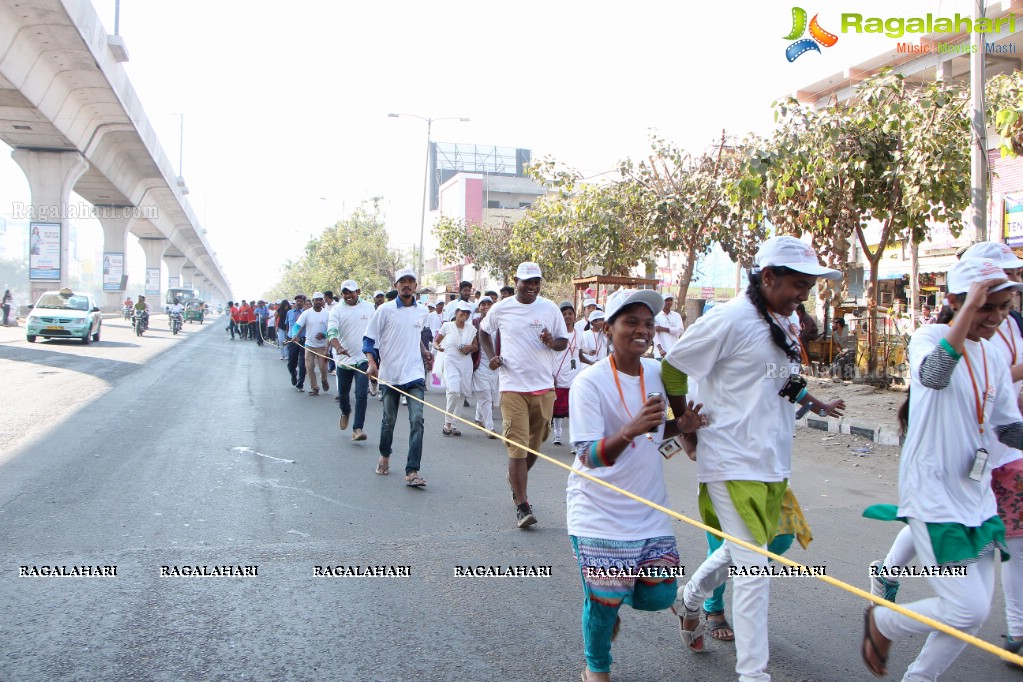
(426, 178)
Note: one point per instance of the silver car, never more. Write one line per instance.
(64, 315)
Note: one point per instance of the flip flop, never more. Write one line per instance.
(878, 667)
(718, 624)
(314, 392)
(383, 470)
(414, 480)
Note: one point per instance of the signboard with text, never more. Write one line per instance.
(152, 281)
(44, 251)
(113, 271)
(1013, 220)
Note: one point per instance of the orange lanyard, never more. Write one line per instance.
(1011, 346)
(621, 394)
(791, 334)
(981, 406)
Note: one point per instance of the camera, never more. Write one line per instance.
(793, 388)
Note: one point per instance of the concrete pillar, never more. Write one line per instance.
(200, 282)
(51, 177)
(154, 250)
(115, 261)
(187, 275)
(174, 266)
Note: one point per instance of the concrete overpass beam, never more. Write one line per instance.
(51, 175)
(188, 275)
(154, 250)
(174, 266)
(115, 260)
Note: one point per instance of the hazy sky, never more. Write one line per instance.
(286, 105)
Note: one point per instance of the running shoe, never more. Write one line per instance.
(524, 516)
(886, 588)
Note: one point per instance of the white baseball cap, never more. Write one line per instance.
(589, 301)
(1000, 253)
(404, 272)
(624, 297)
(792, 253)
(486, 299)
(528, 270)
(669, 295)
(462, 305)
(378, 293)
(350, 285)
(595, 315)
(970, 270)
(318, 294)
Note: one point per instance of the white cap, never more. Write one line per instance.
(595, 315)
(669, 295)
(462, 305)
(970, 270)
(589, 301)
(318, 294)
(378, 293)
(789, 252)
(486, 299)
(528, 270)
(1000, 253)
(624, 297)
(350, 285)
(404, 272)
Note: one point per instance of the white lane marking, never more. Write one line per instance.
(253, 452)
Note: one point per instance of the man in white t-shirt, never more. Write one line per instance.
(532, 334)
(464, 294)
(396, 331)
(346, 327)
(667, 328)
(314, 323)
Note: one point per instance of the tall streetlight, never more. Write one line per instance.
(426, 179)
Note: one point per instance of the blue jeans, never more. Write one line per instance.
(296, 363)
(345, 377)
(416, 389)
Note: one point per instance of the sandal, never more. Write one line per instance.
(691, 638)
(446, 430)
(413, 480)
(720, 628)
(873, 657)
(383, 469)
(314, 392)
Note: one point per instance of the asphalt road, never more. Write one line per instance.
(195, 450)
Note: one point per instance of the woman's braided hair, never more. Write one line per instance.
(756, 297)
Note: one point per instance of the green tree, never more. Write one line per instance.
(486, 245)
(353, 248)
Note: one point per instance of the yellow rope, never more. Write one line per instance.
(929, 622)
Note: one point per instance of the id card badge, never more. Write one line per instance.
(573, 363)
(670, 448)
(979, 464)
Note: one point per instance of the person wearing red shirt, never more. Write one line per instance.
(236, 318)
(248, 316)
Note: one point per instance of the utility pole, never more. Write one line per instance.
(978, 130)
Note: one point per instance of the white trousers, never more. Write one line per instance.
(903, 551)
(453, 406)
(750, 596)
(484, 385)
(962, 602)
(1012, 586)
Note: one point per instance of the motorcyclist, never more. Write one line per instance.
(174, 309)
(128, 305)
(142, 310)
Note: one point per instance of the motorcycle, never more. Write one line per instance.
(175, 322)
(141, 322)
(127, 313)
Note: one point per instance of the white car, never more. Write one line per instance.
(64, 315)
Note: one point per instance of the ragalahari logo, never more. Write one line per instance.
(817, 35)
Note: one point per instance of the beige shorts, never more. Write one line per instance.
(527, 419)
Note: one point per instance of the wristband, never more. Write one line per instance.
(802, 394)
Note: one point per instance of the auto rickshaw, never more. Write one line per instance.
(194, 312)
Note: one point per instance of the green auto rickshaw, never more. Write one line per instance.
(194, 312)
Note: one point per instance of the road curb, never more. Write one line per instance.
(880, 434)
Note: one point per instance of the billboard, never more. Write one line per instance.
(152, 281)
(113, 271)
(44, 251)
(1013, 233)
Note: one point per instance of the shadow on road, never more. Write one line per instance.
(101, 368)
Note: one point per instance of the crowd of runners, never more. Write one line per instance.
(635, 385)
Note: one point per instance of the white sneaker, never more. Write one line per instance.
(886, 588)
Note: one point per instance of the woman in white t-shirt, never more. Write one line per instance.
(617, 414)
(484, 379)
(594, 342)
(567, 366)
(457, 340)
(746, 355)
(962, 409)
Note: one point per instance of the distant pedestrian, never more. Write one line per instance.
(668, 327)
(296, 350)
(457, 340)
(484, 379)
(395, 330)
(281, 315)
(568, 366)
(7, 301)
(312, 324)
